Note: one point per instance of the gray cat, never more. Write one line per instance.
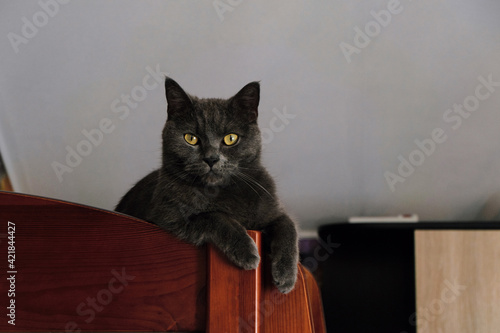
(212, 187)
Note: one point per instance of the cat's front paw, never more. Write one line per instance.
(244, 254)
(284, 271)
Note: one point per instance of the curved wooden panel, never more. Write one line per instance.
(78, 267)
(286, 313)
(248, 302)
(315, 303)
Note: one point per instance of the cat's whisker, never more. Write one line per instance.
(244, 168)
(254, 182)
(240, 176)
(172, 179)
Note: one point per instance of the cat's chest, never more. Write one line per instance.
(248, 209)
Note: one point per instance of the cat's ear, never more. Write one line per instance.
(246, 101)
(177, 99)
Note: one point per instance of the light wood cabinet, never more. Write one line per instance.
(457, 281)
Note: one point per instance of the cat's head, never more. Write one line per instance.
(208, 141)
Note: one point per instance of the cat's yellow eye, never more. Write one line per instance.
(230, 139)
(191, 139)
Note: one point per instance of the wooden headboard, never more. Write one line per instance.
(71, 268)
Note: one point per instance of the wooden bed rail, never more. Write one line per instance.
(74, 268)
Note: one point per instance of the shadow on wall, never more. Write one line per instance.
(491, 209)
(5, 184)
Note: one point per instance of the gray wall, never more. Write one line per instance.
(353, 94)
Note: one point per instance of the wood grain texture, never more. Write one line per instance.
(285, 313)
(458, 281)
(233, 293)
(82, 268)
(315, 304)
(251, 302)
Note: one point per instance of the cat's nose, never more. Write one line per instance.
(211, 160)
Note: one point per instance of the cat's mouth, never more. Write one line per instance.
(212, 178)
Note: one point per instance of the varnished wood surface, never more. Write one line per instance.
(315, 304)
(233, 294)
(286, 313)
(458, 281)
(68, 255)
(78, 267)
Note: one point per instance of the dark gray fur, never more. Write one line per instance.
(200, 203)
